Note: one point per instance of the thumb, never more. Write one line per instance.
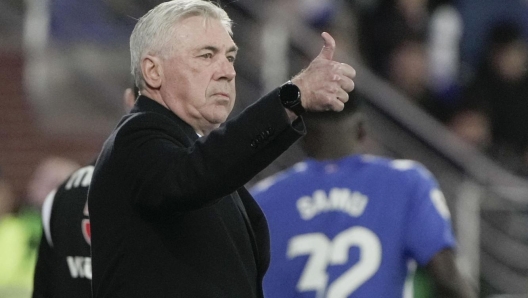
(329, 46)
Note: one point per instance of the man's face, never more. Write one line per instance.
(199, 75)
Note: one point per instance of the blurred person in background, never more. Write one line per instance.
(500, 91)
(386, 27)
(346, 224)
(473, 126)
(479, 17)
(20, 230)
(408, 71)
(64, 264)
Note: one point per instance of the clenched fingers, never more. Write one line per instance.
(342, 96)
(346, 77)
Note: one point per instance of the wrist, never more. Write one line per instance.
(290, 96)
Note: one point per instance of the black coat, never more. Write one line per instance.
(169, 214)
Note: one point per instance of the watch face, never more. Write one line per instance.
(289, 93)
(290, 96)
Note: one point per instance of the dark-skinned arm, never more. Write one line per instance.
(448, 280)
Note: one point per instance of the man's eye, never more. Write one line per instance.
(207, 56)
(231, 58)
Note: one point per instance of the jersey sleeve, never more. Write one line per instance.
(428, 228)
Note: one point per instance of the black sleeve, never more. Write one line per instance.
(161, 170)
(42, 284)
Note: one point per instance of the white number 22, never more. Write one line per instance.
(324, 252)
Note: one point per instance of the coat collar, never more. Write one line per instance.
(146, 104)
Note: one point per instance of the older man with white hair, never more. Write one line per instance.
(170, 216)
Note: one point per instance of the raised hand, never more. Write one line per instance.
(325, 83)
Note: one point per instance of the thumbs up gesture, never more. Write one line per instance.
(325, 83)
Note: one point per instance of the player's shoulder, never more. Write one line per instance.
(399, 167)
(79, 179)
(77, 182)
(73, 190)
(282, 177)
(75, 187)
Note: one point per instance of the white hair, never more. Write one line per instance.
(154, 30)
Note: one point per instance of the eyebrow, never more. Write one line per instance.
(216, 50)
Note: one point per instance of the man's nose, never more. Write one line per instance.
(226, 70)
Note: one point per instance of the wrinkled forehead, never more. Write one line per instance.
(207, 18)
(200, 31)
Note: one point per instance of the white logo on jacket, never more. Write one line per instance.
(80, 267)
(82, 177)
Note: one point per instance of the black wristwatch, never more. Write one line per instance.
(290, 96)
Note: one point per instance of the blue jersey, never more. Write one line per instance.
(348, 228)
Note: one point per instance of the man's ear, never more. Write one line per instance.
(152, 71)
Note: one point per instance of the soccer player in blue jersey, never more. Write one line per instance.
(345, 224)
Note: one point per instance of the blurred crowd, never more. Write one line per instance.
(463, 61)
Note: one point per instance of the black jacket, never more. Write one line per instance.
(169, 214)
